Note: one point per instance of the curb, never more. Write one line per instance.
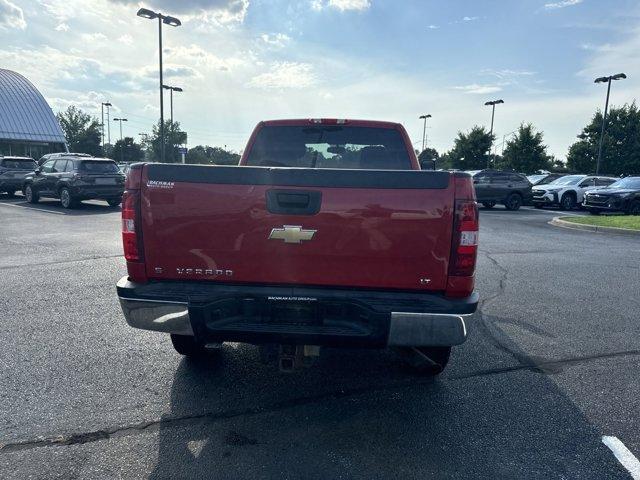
(559, 222)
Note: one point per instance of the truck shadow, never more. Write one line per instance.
(359, 415)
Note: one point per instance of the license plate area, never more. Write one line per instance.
(292, 312)
(105, 181)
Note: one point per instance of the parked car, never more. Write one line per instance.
(544, 178)
(53, 156)
(366, 256)
(621, 196)
(567, 192)
(73, 178)
(13, 171)
(124, 167)
(508, 188)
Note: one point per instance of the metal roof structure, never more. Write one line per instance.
(24, 113)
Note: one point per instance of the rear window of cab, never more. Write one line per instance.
(99, 166)
(329, 146)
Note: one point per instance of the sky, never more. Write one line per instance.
(243, 61)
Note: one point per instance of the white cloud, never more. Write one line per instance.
(469, 19)
(277, 40)
(341, 5)
(285, 75)
(433, 27)
(63, 27)
(93, 37)
(126, 39)
(561, 4)
(11, 16)
(202, 58)
(478, 89)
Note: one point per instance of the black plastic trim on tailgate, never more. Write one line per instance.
(299, 177)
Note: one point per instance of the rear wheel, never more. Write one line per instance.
(514, 202)
(634, 208)
(567, 202)
(429, 361)
(488, 204)
(186, 345)
(30, 195)
(66, 200)
(114, 202)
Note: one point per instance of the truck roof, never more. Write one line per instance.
(332, 121)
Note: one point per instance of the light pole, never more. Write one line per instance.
(424, 130)
(618, 76)
(174, 22)
(493, 104)
(121, 142)
(172, 89)
(102, 105)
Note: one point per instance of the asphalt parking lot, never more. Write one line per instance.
(550, 368)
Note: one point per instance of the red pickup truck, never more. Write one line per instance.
(326, 234)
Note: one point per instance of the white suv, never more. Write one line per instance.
(567, 191)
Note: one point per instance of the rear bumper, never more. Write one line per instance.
(546, 199)
(102, 192)
(215, 312)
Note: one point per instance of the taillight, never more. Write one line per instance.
(130, 209)
(465, 239)
(464, 243)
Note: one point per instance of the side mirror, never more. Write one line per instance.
(38, 170)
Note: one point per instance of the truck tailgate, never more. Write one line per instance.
(285, 226)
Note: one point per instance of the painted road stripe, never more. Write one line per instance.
(624, 456)
(31, 208)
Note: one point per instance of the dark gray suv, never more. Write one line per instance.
(511, 189)
(13, 171)
(73, 179)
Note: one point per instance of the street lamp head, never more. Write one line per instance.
(618, 76)
(422, 117)
(601, 80)
(494, 102)
(146, 13)
(177, 89)
(171, 21)
(107, 104)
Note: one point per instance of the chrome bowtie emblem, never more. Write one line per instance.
(291, 234)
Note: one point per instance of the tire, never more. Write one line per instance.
(567, 202)
(186, 345)
(430, 361)
(488, 204)
(114, 202)
(514, 202)
(30, 195)
(66, 199)
(634, 208)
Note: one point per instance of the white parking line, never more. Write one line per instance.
(556, 213)
(31, 208)
(624, 456)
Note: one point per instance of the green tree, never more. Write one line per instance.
(212, 156)
(525, 152)
(173, 138)
(81, 130)
(471, 150)
(127, 150)
(620, 148)
(428, 159)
